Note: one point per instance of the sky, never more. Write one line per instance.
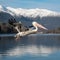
(42, 4)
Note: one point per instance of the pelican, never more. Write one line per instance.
(30, 31)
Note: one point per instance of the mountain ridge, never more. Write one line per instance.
(29, 12)
(47, 18)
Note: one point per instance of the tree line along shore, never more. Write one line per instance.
(6, 28)
(9, 27)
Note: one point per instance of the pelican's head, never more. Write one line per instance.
(38, 25)
(34, 23)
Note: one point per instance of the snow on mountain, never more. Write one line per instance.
(1, 8)
(32, 12)
(49, 19)
(29, 12)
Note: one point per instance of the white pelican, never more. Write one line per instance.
(30, 31)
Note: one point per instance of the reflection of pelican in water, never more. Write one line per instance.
(30, 31)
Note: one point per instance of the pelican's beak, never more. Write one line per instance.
(40, 26)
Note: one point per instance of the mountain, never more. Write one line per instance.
(50, 19)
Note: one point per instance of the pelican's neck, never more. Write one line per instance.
(36, 28)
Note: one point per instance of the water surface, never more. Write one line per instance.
(31, 47)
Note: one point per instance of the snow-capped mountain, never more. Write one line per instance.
(44, 16)
(32, 12)
(28, 12)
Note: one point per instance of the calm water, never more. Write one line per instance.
(31, 47)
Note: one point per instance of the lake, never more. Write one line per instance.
(31, 47)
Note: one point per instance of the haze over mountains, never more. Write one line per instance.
(49, 19)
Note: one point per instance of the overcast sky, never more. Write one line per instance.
(45, 4)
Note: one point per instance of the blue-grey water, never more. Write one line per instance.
(31, 47)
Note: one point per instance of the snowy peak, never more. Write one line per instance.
(32, 12)
(29, 12)
(1, 8)
(49, 19)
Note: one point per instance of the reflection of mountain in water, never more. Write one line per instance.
(32, 44)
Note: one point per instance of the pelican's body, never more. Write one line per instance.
(30, 31)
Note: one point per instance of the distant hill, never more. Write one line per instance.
(49, 19)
